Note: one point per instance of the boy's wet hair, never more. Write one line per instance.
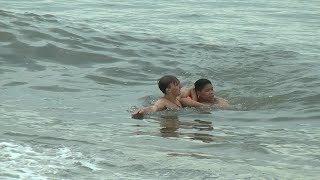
(165, 82)
(199, 84)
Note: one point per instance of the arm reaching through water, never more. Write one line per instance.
(139, 113)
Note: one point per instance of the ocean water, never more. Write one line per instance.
(71, 72)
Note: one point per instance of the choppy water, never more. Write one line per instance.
(72, 71)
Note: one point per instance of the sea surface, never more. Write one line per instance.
(71, 73)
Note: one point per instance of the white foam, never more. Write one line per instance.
(16, 161)
(25, 162)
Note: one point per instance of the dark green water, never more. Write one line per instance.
(71, 73)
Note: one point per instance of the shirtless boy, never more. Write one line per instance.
(204, 93)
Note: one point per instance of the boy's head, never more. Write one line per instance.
(200, 84)
(204, 89)
(166, 82)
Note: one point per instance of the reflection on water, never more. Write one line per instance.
(171, 126)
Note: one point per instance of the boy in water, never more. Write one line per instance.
(204, 93)
(171, 88)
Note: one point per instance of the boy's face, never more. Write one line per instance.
(174, 88)
(207, 92)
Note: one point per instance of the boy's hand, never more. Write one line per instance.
(138, 114)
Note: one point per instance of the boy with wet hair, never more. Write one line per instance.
(166, 81)
(204, 93)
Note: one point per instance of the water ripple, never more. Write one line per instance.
(54, 88)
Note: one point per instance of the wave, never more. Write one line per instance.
(45, 38)
(256, 77)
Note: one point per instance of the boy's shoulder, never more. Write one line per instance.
(185, 92)
(161, 102)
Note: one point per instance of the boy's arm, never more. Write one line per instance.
(187, 102)
(223, 103)
(193, 94)
(185, 92)
(189, 92)
(139, 113)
